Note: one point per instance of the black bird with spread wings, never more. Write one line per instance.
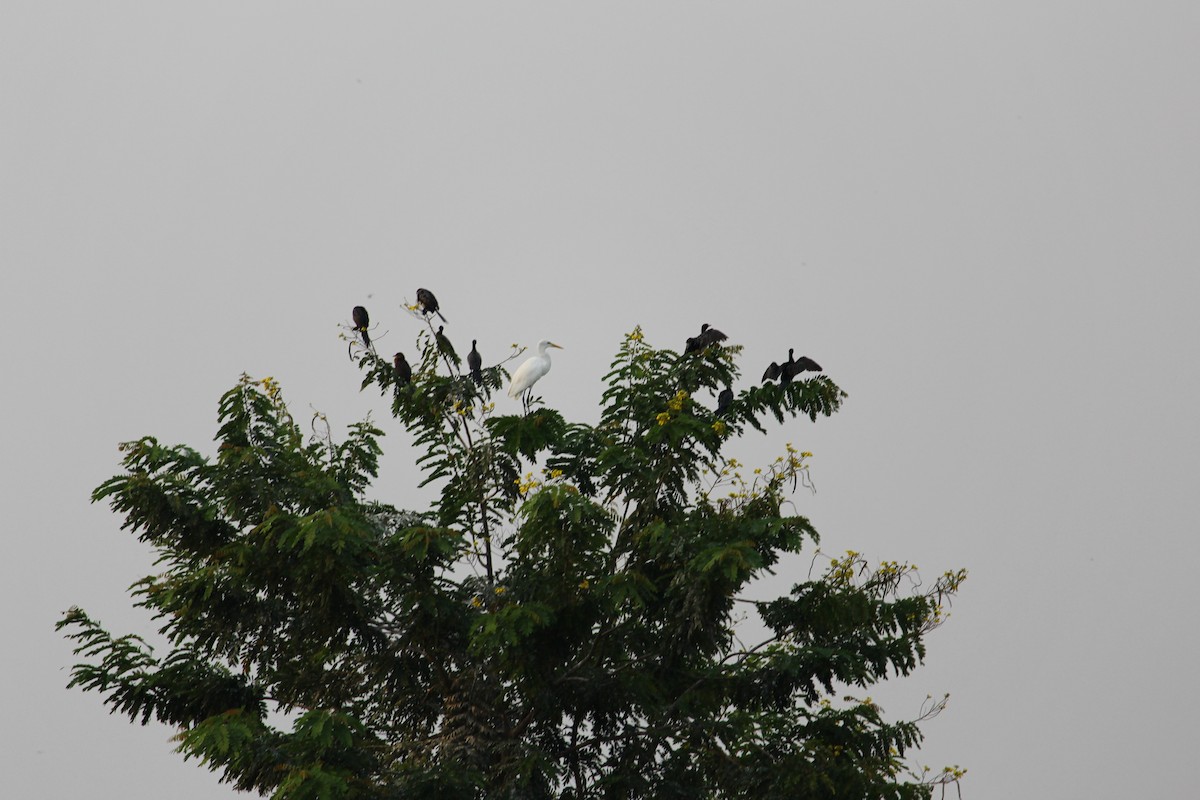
(794, 366)
(708, 336)
(791, 368)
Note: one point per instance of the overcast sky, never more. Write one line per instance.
(982, 219)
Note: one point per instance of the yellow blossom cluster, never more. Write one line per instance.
(889, 569)
(950, 580)
(768, 480)
(527, 484)
(841, 570)
(674, 407)
(271, 387)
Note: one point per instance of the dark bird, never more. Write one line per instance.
(724, 400)
(772, 373)
(475, 364)
(403, 370)
(794, 366)
(444, 347)
(362, 321)
(708, 336)
(429, 304)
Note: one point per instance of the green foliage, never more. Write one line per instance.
(563, 630)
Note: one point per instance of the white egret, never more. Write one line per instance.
(531, 371)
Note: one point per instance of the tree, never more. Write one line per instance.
(568, 632)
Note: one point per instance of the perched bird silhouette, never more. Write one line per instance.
(362, 321)
(724, 400)
(403, 370)
(708, 336)
(429, 304)
(531, 371)
(794, 366)
(444, 347)
(475, 363)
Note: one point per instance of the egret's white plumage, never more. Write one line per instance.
(533, 369)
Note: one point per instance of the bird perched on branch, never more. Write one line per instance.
(531, 371)
(708, 336)
(791, 368)
(794, 366)
(444, 347)
(724, 400)
(362, 321)
(403, 370)
(429, 304)
(475, 364)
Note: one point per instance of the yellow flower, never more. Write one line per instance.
(499, 590)
(584, 584)
(663, 418)
(476, 602)
(718, 427)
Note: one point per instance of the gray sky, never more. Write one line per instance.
(982, 219)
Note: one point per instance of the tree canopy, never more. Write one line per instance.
(560, 622)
